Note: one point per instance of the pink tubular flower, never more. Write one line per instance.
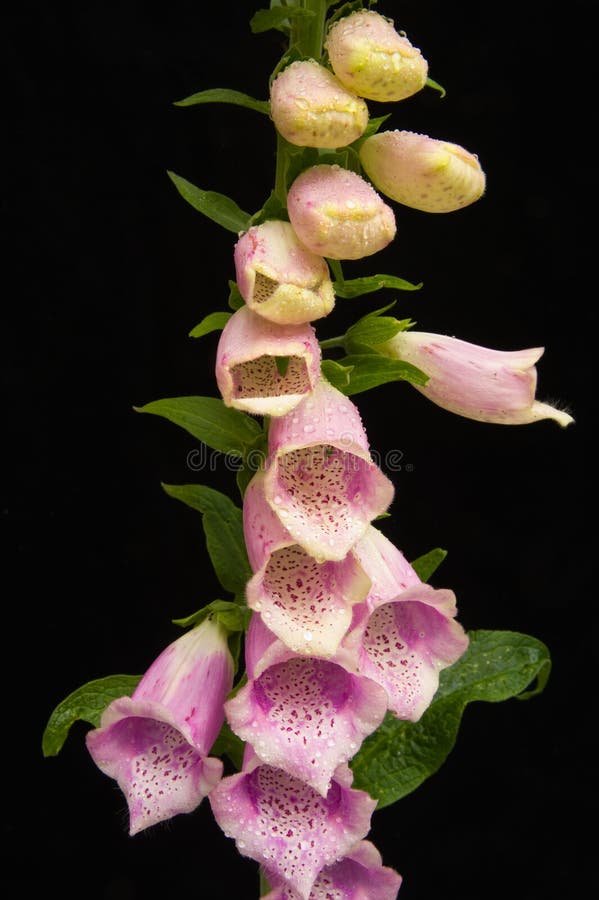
(305, 603)
(422, 172)
(360, 875)
(311, 108)
(320, 478)
(337, 214)
(487, 385)
(369, 57)
(302, 714)
(155, 744)
(285, 825)
(279, 278)
(247, 373)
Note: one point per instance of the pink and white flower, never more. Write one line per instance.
(306, 603)
(320, 478)
(338, 214)
(476, 382)
(302, 714)
(287, 826)
(279, 277)
(422, 172)
(247, 372)
(310, 107)
(359, 875)
(371, 58)
(155, 744)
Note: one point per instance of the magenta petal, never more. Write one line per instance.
(246, 364)
(407, 642)
(286, 826)
(158, 771)
(320, 479)
(360, 875)
(307, 716)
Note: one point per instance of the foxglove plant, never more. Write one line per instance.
(279, 703)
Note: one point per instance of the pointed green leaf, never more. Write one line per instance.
(428, 563)
(282, 364)
(400, 755)
(437, 87)
(86, 704)
(215, 321)
(236, 301)
(335, 374)
(371, 370)
(356, 287)
(223, 527)
(265, 19)
(224, 95)
(209, 420)
(373, 330)
(230, 615)
(272, 209)
(218, 207)
(228, 744)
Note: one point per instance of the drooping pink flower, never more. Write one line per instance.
(287, 826)
(311, 108)
(422, 172)
(338, 214)
(360, 875)
(303, 714)
(320, 478)
(155, 744)
(305, 602)
(371, 58)
(248, 373)
(476, 382)
(279, 278)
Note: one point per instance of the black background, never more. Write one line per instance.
(106, 271)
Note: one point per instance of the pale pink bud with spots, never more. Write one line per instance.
(303, 714)
(476, 382)
(305, 602)
(279, 277)
(338, 214)
(320, 479)
(288, 827)
(360, 875)
(155, 744)
(404, 643)
(311, 108)
(424, 173)
(372, 59)
(249, 372)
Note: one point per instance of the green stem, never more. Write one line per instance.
(329, 343)
(314, 28)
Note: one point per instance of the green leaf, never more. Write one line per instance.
(224, 95)
(282, 364)
(371, 370)
(228, 744)
(336, 374)
(215, 321)
(209, 420)
(265, 19)
(428, 563)
(218, 207)
(373, 330)
(400, 755)
(223, 527)
(85, 704)
(355, 287)
(437, 87)
(236, 301)
(232, 616)
(272, 209)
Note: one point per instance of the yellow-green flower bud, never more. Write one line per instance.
(311, 108)
(372, 59)
(422, 172)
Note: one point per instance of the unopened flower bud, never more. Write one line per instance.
(370, 58)
(337, 214)
(422, 172)
(311, 108)
(281, 279)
